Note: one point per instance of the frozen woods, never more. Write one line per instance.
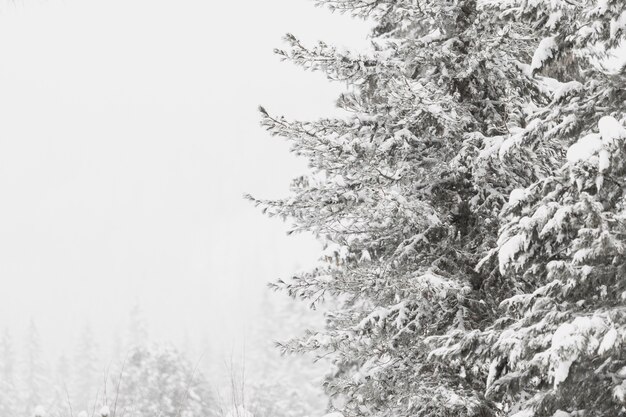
(471, 201)
(131, 374)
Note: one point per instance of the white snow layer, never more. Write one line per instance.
(565, 89)
(507, 252)
(544, 51)
(619, 392)
(610, 130)
(597, 147)
(603, 6)
(239, 411)
(561, 371)
(608, 341)
(571, 339)
(585, 148)
(432, 36)
(517, 195)
(617, 24)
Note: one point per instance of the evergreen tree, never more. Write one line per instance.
(8, 392)
(161, 382)
(209, 363)
(447, 293)
(63, 376)
(557, 346)
(274, 388)
(115, 348)
(86, 376)
(34, 382)
(137, 329)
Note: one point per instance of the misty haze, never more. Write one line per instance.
(308, 208)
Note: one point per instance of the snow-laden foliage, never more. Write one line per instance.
(161, 382)
(86, 381)
(33, 383)
(105, 411)
(8, 390)
(561, 337)
(471, 203)
(239, 411)
(276, 385)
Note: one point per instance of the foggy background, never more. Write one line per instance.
(128, 135)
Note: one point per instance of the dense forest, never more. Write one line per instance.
(131, 374)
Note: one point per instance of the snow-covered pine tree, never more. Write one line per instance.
(8, 392)
(33, 380)
(161, 382)
(273, 388)
(87, 379)
(406, 198)
(559, 346)
(137, 328)
(457, 108)
(61, 404)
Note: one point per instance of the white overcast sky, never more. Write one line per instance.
(128, 134)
